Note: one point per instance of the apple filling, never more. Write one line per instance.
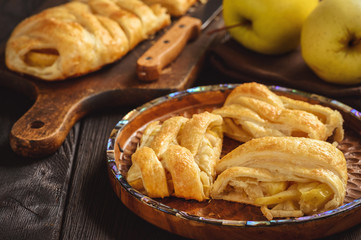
(41, 57)
(249, 130)
(205, 152)
(281, 199)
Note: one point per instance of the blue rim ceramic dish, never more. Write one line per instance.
(125, 135)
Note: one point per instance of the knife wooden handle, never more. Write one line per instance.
(167, 48)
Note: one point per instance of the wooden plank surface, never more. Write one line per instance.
(32, 192)
(93, 209)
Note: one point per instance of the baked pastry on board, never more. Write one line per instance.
(178, 157)
(80, 36)
(285, 176)
(251, 110)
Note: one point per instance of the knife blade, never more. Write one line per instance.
(171, 44)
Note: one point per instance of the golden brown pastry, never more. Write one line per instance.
(186, 176)
(174, 7)
(251, 111)
(79, 37)
(332, 119)
(128, 22)
(159, 136)
(64, 41)
(203, 136)
(146, 164)
(187, 150)
(153, 17)
(285, 176)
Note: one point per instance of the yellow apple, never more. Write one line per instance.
(331, 41)
(267, 26)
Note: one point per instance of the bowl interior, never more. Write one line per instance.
(127, 133)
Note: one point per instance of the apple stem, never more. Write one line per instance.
(224, 28)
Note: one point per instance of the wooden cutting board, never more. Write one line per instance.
(59, 105)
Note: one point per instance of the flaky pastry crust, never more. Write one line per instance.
(79, 37)
(187, 150)
(290, 162)
(251, 111)
(174, 7)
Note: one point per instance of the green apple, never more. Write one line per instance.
(331, 41)
(267, 26)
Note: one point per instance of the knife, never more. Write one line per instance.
(171, 44)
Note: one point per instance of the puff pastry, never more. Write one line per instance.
(174, 7)
(153, 17)
(203, 136)
(251, 111)
(285, 176)
(186, 150)
(128, 22)
(80, 37)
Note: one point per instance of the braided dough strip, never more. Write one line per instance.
(187, 149)
(251, 111)
(79, 37)
(174, 7)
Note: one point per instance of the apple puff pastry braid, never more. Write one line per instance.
(285, 176)
(80, 37)
(178, 157)
(251, 110)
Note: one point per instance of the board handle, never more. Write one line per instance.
(167, 48)
(44, 127)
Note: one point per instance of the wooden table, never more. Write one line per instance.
(68, 195)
